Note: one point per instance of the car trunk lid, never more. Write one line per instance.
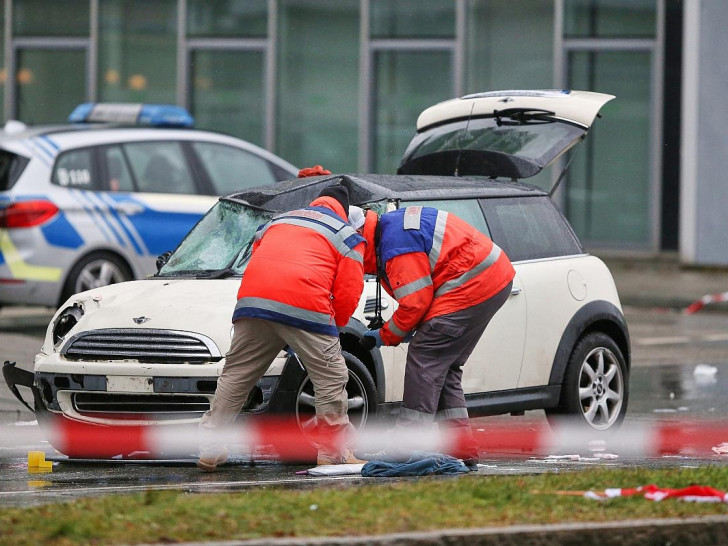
(509, 134)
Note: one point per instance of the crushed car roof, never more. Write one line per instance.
(370, 188)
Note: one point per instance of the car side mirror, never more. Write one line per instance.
(163, 259)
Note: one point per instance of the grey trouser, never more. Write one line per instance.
(255, 344)
(433, 373)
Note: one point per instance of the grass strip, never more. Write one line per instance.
(421, 504)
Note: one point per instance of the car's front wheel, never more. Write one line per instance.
(361, 393)
(595, 387)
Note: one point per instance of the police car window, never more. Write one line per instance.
(466, 209)
(529, 228)
(231, 169)
(117, 171)
(11, 167)
(160, 167)
(75, 169)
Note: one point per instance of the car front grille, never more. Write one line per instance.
(147, 345)
(371, 305)
(131, 406)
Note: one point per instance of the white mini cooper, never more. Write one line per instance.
(150, 351)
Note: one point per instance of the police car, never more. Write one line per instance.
(96, 201)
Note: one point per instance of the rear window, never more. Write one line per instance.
(530, 228)
(11, 167)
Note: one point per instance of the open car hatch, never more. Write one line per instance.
(509, 134)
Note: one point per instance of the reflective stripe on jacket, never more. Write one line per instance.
(305, 270)
(435, 263)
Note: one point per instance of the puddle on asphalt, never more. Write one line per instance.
(679, 391)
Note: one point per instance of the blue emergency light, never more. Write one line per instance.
(155, 115)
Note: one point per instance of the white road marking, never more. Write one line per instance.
(680, 340)
(675, 340)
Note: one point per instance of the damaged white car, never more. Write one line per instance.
(150, 351)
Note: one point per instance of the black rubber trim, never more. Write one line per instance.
(600, 316)
(515, 400)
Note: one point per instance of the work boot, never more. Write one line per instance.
(345, 458)
(209, 463)
(471, 463)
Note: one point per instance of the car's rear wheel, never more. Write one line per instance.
(595, 388)
(361, 393)
(95, 270)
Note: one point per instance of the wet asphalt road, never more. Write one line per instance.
(680, 371)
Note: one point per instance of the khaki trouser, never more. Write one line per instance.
(255, 344)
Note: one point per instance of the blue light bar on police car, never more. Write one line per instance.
(157, 115)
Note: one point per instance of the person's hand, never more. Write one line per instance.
(316, 170)
(370, 340)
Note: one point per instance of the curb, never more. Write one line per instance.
(707, 530)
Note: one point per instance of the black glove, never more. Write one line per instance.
(370, 340)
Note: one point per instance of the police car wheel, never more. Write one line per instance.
(93, 271)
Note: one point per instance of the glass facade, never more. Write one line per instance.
(406, 83)
(226, 92)
(137, 51)
(328, 83)
(51, 18)
(413, 19)
(3, 69)
(227, 18)
(609, 18)
(609, 187)
(49, 83)
(493, 62)
(318, 83)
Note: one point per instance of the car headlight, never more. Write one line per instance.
(65, 322)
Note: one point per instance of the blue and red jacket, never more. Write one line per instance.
(434, 263)
(305, 269)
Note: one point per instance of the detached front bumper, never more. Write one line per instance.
(17, 376)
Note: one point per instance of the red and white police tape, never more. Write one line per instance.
(284, 440)
(697, 305)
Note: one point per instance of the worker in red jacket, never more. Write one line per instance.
(449, 280)
(302, 283)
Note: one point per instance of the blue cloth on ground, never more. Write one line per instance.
(419, 464)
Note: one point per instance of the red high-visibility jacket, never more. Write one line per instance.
(433, 264)
(305, 269)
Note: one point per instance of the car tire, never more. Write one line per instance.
(361, 394)
(95, 270)
(595, 389)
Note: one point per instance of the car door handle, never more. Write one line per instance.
(515, 291)
(128, 208)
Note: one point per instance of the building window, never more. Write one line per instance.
(227, 92)
(412, 47)
(609, 18)
(228, 19)
(609, 185)
(137, 51)
(496, 57)
(407, 82)
(317, 83)
(412, 19)
(49, 83)
(51, 18)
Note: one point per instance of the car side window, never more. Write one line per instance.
(117, 171)
(160, 167)
(231, 169)
(466, 209)
(530, 228)
(75, 169)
